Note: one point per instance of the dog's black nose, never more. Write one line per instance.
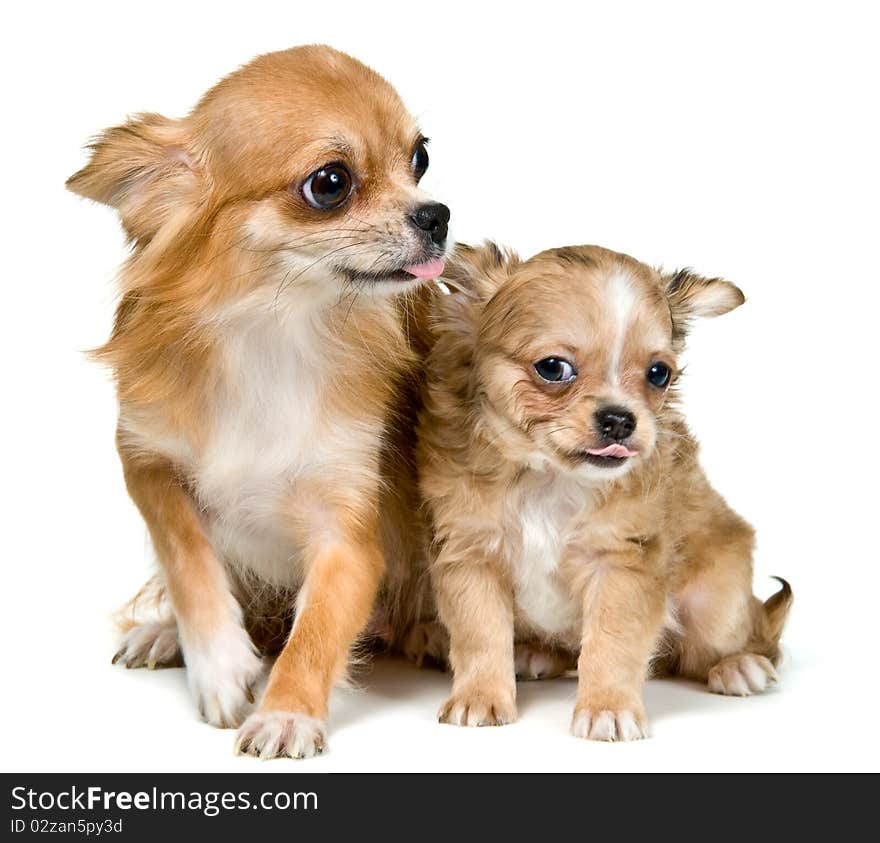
(615, 423)
(433, 218)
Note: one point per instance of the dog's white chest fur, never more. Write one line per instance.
(544, 517)
(266, 436)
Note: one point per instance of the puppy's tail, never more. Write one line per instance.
(775, 611)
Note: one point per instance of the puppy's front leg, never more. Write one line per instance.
(477, 608)
(333, 607)
(624, 602)
(221, 663)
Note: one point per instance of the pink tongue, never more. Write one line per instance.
(611, 451)
(429, 269)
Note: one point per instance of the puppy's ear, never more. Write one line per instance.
(142, 169)
(478, 271)
(472, 276)
(692, 296)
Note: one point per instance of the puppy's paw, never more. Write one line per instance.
(741, 675)
(427, 640)
(150, 645)
(223, 675)
(603, 721)
(534, 662)
(281, 734)
(479, 706)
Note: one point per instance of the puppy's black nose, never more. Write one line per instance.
(433, 218)
(615, 423)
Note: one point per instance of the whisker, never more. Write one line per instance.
(305, 241)
(360, 285)
(323, 257)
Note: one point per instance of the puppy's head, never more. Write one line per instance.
(304, 164)
(575, 351)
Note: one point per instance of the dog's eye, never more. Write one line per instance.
(659, 374)
(420, 159)
(328, 187)
(555, 370)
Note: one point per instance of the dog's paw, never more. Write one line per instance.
(223, 676)
(427, 641)
(534, 662)
(741, 675)
(606, 723)
(479, 707)
(150, 645)
(280, 734)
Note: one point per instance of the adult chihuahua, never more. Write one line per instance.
(258, 350)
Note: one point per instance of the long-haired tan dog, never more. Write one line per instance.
(259, 349)
(568, 506)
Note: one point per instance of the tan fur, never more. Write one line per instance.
(621, 566)
(259, 370)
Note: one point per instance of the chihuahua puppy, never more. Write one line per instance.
(258, 350)
(569, 511)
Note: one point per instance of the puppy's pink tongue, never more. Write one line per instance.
(612, 451)
(428, 269)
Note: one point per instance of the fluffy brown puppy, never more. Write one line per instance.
(258, 350)
(568, 506)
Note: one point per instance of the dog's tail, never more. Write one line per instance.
(775, 611)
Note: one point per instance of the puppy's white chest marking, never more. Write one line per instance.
(541, 595)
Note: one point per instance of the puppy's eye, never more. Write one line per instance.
(555, 370)
(328, 187)
(420, 159)
(659, 374)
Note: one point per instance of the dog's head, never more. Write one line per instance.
(304, 164)
(575, 350)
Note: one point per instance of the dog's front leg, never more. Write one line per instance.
(221, 663)
(333, 607)
(476, 605)
(623, 611)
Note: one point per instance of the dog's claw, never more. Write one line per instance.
(249, 695)
(280, 734)
(117, 657)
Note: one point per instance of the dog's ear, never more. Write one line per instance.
(692, 296)
(142, 169)
(472, 276)
(478, 271)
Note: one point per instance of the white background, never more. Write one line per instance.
(741, 139)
